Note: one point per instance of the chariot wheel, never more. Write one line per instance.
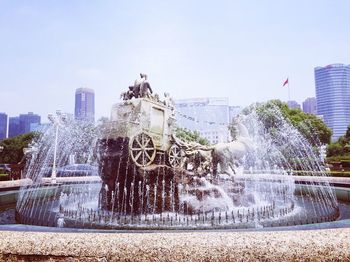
(142, 149)
(175, 156)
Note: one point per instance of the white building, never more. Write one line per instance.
(209, 116)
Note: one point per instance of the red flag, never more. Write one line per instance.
(285, 82)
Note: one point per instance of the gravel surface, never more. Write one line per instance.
(313, 245)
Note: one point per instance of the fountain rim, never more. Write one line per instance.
(323, 225)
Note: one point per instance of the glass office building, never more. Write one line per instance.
(14, 129)
(293, 104)
(309, 105)
(3, 126)
(21, 124)
(85, 104)
(25, 120)
(333, 96)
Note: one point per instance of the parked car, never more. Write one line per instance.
(72, 170)
(5, 168)
(77, 170)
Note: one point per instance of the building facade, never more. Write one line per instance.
(310, 105)
(23, 123)
(85, 104)
(293, 104)
(3, 126)
(14, 129)
(233, 112)
(208, 116)
(333, 96)
(40, 128)
(26, 120)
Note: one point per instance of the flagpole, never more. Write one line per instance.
(288, 90)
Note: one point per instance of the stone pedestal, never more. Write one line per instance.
(128, 189)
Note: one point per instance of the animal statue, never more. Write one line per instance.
(128, 94)
(200, 160)
(199, 156)
(229, 155)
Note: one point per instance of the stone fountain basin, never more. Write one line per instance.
(313, 242)
(10, 197)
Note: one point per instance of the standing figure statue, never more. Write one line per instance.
(168, 101)
(140, 89)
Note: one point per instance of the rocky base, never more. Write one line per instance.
(315, 245)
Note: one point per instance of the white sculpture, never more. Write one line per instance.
(60, 221)
(228, 155)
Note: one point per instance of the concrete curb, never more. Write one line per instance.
(315, 245)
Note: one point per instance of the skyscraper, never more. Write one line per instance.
(85, 104)
(3, 126)
(25, 120)
(293, 104)
(14, 129)
(333, 96)
(309, 105)
(22, 124)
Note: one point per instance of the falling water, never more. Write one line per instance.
(261, 193)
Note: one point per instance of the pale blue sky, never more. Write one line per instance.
(240, 49)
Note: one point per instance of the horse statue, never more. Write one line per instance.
(200, 160)
(128, 94)
(199, 156)
(230, 155)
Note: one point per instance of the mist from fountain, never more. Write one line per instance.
(262, 192)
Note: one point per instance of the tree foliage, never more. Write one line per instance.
(12, 152)
(190, 136)
(309, 125)
(341, 147)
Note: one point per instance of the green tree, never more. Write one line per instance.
(190, 136)
(309, 125)
(13, 147)
(341, 147)
(347, 134)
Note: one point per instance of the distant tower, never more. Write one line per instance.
(85, 104)
(14, 129)
(26, 120)
(293, 104)
(309, 105)
(333, 97)
(3, 126)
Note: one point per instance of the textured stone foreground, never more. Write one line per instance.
(314, 245)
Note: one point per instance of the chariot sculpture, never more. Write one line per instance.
(139, 149)
(145, 125)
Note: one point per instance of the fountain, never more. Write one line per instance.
(150, 179)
